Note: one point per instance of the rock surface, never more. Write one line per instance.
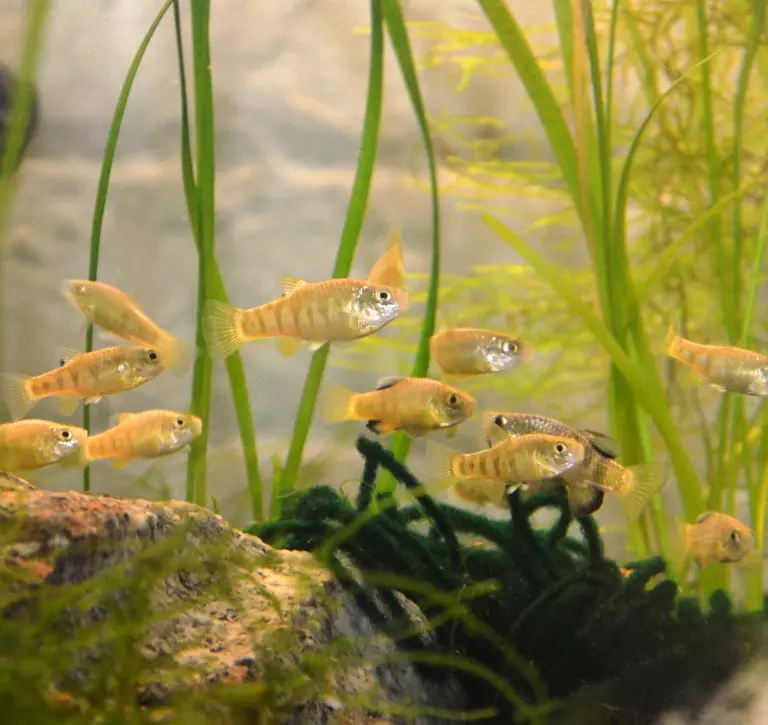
(281, 611)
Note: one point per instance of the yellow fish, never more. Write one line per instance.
(388, 271)
(520, 460)
(30, 444)
(726, 368)
(474, 351)
(414, 405)
(481, 491)
(336, 310)
(114, 311)
(497, 426)
(150, 434)
(82, 375)
(715, 538)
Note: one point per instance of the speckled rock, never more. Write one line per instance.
(280, 606)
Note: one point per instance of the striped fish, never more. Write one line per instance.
(336, 310)
(149, 434)
(114, 311)
(87, 376)
(726, 368)
(414, 405)
(528, 458)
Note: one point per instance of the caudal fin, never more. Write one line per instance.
(13, 390)
(644, 482)
(178, 356)
(672, 343)
(220, 328)
(440, 459)
(338, 404)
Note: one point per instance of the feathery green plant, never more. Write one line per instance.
(284, 483)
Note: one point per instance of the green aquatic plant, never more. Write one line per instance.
(199, 197)
(555, 619)
(285, 482)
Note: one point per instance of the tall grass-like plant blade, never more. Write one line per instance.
(516, 45)
(103, 187)
(358, 204)
(722, 256)
(21, 109)
(206, 172)
(234, 363)
(646, 391)
(398, 35)
(23, 98)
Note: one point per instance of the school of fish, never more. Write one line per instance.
(530, 452)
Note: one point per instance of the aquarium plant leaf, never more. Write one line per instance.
(234, 363)
(398, 36)
(103, 186)
(350, 234)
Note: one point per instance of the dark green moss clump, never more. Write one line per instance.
(546, 612)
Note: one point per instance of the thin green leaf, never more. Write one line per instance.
(398, 36)
(353, 223)
(648, 394)
(234, 363)
(103, 187)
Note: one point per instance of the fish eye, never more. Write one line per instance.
(62, 362)
(384, 295)
(509, 347)
(735, 536)
(152, 356)
(561, 447)
(500, 421)
(65, 434)
(180, 422)
(453, 399)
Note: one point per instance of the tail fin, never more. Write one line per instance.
(13, 390)
(672, 343)
(440, 459)
(178, 355)
(338, 404)
(679, 556)
(643, 483)
(220, 328)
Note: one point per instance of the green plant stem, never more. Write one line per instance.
(398, 35)
(206, 171)
(103, 186)
(23, 97)
(234, 363)
(353, 223)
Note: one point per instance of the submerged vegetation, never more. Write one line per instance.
(653, 182)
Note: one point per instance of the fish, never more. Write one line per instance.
(88, 376)
(725, 368)
(416, 406)
(27, 445)
(336, 310)
(118, 314)
(474, 351)
(388, 270)
(599, 473)
(714, 538)
(518, 460)
(149, 434)
(496, 425)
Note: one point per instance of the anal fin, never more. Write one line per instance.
(67, 404)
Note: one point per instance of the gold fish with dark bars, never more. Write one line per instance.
(414, 405)
(87, 376)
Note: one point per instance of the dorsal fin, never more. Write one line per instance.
(602, 442)
(66, 355)
(117, 418)
(291, 284)
(389, 381)
(703, 517)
